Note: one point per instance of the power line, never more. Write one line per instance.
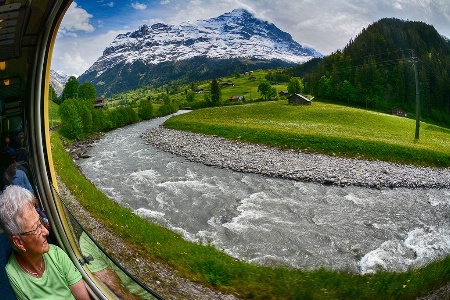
(373, 62)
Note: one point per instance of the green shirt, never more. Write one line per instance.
(58, 275)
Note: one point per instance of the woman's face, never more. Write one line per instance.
(34, 234)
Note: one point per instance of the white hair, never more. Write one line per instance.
(13, 199)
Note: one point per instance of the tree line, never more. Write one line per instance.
(80, 119)
(375, 70)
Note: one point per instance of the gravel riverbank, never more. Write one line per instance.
(294, 165)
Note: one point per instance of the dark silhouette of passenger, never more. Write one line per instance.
(15, 176)
(21, 149)
(7, 147)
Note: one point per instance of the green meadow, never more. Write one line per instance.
(53, 115)
(324, 128)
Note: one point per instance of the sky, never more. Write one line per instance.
(89, 26)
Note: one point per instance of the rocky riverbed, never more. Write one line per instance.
(294, 165)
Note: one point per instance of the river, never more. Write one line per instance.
(267, 220)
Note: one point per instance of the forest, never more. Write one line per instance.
(376, 70)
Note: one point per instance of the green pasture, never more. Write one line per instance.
(53, 115)
(243, 86)
(324, 128)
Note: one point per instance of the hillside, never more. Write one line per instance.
(375, 70)
(233, 42)
(326, 128)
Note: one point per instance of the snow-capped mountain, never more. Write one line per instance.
(58, 80)
(236, 35)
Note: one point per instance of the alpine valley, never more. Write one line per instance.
(191, 51)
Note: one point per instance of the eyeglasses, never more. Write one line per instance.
(37, 230)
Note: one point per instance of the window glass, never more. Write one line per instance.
(104, 267)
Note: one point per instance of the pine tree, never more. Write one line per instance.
(216, 93)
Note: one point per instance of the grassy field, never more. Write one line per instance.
(54, 117)
(242, 86)
(324, 128)
(320, 127)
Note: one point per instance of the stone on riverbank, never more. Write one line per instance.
(294, 165)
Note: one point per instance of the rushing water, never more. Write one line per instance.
(267, 220)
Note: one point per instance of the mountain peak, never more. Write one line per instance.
(235, 35)
(239, 13)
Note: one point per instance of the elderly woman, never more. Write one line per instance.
(36, 269)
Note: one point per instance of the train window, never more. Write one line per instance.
(108, 271)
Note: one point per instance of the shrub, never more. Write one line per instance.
(145, 110)
(72, 124)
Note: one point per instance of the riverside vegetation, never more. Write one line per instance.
(324, 128)
(321, 127)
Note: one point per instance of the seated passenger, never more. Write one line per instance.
(15, 176)
(21, 149)
(6, 147)
(36, 269)
(105, 270)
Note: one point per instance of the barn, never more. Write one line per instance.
(397, 111)
(297, 99)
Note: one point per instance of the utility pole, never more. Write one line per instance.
(416, 75)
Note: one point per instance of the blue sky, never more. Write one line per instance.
(89, 26)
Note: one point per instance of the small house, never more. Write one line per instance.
(297, 99)
(235, 98)
(99, 102)
(227, 84)
(283, 93)
(397, 111)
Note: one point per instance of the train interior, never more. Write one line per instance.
(28, 29)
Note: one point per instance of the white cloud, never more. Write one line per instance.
(75, 56)
(164, 2)
(139, 6)
(103, 3)
(76, 19)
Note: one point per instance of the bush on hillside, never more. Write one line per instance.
(145, 110)
(72, 124)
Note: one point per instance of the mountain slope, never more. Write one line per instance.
(375, 70)
(57, 80)
(193, 51)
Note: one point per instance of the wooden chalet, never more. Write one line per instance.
(99, 102)
(235, 98)
(397, 111)
(298, 99)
